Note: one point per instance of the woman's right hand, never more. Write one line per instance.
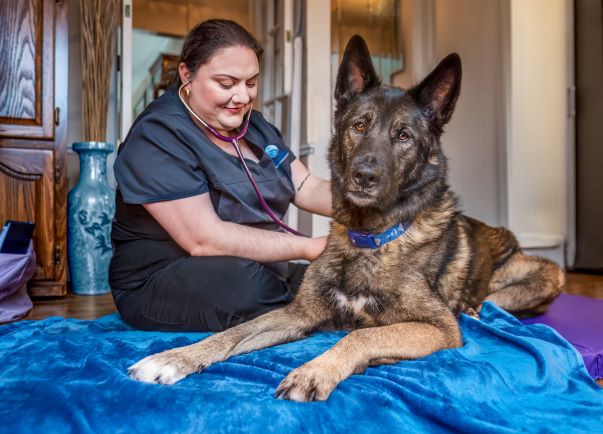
(315, 247)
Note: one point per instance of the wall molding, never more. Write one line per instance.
(540, 241)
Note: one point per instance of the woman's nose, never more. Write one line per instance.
(241, 95)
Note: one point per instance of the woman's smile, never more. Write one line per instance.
(235, 110)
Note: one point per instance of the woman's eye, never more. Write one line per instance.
(360, 127)
(225, 85)
(251, 83)
(403, 136)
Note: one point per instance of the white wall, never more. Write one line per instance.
(417, 41)
(318, 94)
(474, 137)
(537, 139)
(509, 139)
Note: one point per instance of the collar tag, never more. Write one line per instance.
(374, 241)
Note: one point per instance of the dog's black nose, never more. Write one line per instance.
(365, 176)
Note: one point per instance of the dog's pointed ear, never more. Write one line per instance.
(438, 92)
(356, 72)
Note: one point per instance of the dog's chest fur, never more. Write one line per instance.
(357, 305)
(370, 286)
(367, 287)
(354, 311)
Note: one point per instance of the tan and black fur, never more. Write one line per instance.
(401, 300)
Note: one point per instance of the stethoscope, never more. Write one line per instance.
(235, 142)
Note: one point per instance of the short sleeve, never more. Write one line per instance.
(157, 162)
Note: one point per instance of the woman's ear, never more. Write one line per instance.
(184, 73)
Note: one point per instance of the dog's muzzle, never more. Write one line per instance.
(366, 176)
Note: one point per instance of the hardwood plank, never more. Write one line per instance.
(87, 307)
(46, 289)
(589, 285)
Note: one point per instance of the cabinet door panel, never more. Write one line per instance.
(27, 194)
(26, 70)
(33, 33)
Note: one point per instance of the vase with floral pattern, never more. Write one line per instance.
(90, 210)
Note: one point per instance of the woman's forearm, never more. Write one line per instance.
(315, 196)
(195, 226)
(232, 239)
(312, 194)
(322, 192)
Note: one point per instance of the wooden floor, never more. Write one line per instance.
(95, 306)
(590, 285)
(72, 306)
(92, 307)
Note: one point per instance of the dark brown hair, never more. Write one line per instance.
(210, 36)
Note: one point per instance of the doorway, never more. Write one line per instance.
(589, 134)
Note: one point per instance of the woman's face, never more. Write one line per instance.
(222, 90)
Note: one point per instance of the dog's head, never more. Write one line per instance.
(386, 153)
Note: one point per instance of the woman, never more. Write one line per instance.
(193, 248)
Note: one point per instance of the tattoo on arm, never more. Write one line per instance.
(302, 183)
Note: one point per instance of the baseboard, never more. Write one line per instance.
(540, 241)
(550, 246)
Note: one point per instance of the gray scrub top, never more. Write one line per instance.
(165, 157)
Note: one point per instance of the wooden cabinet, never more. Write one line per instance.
(33, 130)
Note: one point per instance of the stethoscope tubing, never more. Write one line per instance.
(234, 141)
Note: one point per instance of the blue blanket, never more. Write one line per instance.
(65, 375)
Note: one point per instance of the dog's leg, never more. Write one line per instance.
(316, 379)
(526, 285)
(290, 323)
(375, 362)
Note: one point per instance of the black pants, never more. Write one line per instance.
(206, 294)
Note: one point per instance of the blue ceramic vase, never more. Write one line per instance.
(90, 210)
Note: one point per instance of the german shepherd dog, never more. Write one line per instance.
(419, 262)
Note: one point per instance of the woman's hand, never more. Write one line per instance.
(315, 247)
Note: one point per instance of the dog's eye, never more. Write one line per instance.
(360, 127)
(403, 136)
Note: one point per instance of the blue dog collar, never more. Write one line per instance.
(374, 241)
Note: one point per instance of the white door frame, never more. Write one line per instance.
(318, 94)
(125, 47)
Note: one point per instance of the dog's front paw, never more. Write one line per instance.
(310, 382)
(164, 368)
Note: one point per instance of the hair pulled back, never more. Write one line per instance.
(210, 36)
